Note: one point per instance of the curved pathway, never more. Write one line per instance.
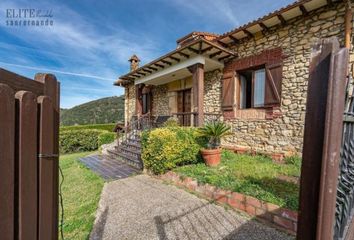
(142, 207)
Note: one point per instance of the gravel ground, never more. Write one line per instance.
(141, 207)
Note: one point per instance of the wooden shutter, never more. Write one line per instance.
(273, 84)
(228, 90)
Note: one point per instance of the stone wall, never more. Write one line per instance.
(129, 102)
(285, 133)
(160, 100)
(212, 92)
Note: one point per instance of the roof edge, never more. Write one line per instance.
(214, 44)
(270, 15)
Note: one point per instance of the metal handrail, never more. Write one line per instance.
(134, 127)
(184, 113)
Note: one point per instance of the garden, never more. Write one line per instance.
(176, 149)
(179, 150)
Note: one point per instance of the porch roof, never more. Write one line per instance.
(175, 63)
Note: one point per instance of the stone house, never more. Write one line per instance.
(253, 77)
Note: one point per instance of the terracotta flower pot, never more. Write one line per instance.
(212, 157)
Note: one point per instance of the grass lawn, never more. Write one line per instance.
(81, 193)
(256, 176)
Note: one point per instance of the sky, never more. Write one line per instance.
(89, 43)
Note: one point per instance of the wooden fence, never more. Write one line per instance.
(322, 142)
(29, 126)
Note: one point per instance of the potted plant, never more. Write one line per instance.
(213, 131)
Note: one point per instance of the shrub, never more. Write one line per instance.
(108, 127)
(171, 122)
(166, 148)
(214, 131)
(106, 137)
(79, 140)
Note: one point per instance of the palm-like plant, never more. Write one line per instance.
(214, 131)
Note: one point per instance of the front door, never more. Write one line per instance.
(184, 106)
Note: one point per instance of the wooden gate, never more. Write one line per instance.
(29, 125)
(324, 212)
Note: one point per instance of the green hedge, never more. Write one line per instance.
(108, 127)
(71, 141)
(106, 137)
(166, 148)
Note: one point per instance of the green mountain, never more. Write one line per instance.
(104, 110)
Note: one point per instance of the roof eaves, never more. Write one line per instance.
(196, 33)
(177, 51)
(264, 18)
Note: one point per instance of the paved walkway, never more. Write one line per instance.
(141, 207)
(108, 168)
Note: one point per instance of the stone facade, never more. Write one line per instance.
(284, 134)
(251, 128)
(160, 100)
(212, 92)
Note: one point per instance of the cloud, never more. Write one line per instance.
(85, 58)
(74, 34)
(222, 11)
(58, 71)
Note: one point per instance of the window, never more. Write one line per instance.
(259, 88)
(252, 82)
(252, 88)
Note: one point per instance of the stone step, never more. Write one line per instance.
(131, 159)
(136, 143)
(130, 151)
(133, 136)
(132, 140)
(137, 163)
(132, 146)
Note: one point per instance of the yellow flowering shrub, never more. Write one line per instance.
(166, 148)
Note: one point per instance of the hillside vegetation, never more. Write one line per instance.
(104, 110)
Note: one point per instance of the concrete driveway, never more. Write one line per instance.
(141, 207)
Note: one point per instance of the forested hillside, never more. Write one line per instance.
(104, 110)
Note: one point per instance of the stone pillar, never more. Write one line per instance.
(126, 105)
(138, 99)
(197, 71)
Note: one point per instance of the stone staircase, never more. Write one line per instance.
(128, 149)
(128, 146)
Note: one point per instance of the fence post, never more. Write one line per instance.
(322, 138)
(7, 162)
(27, 165)
(52, 89)
(46, 167)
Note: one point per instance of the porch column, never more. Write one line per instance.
(197, 71)
(138, 99)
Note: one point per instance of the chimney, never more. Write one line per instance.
(134, 62)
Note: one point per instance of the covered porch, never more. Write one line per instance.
(173, 85)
